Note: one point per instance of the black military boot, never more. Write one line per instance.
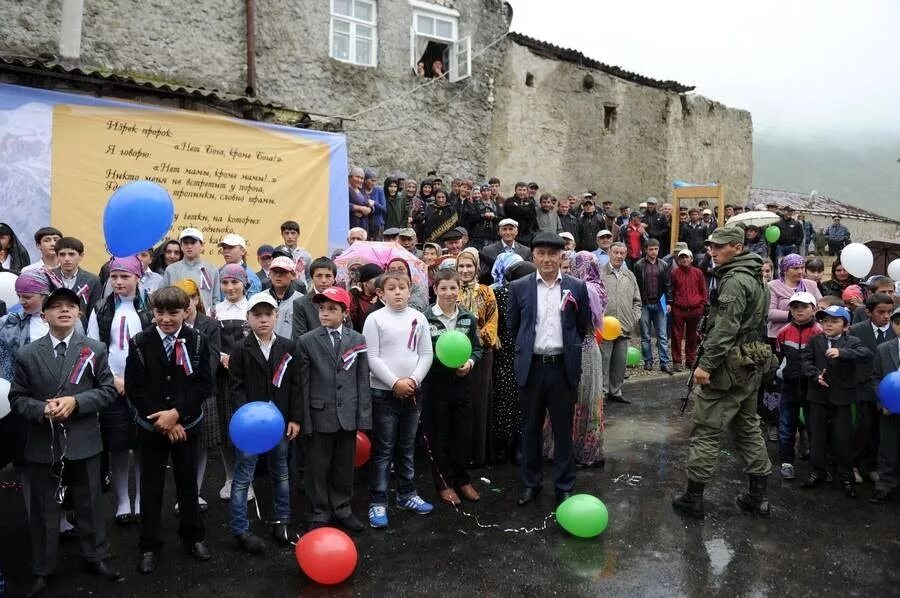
(691, 502)
(755, 500)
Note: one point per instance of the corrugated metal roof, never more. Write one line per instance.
(550, 50)
(814, 204)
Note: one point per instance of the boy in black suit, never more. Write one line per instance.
(167, 378)
(261, 368)
(61, 382)
(829, 363)
(887, 360)
(334, 374)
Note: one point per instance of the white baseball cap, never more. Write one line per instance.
(233, 240)
(191, 232)
(686, 252)
(567, 236)
(803, 297)
(509, 222)
(263, 297)
(604, 233)
(707, 211)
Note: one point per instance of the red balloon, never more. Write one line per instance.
(327, 555)
(363, 449)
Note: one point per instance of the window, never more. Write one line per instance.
(354, 31)
(435, 46)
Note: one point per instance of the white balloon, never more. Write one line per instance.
(4, 398)
(857, 259)
(894, 270)
(8, 289)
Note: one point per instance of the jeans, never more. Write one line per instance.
(783, 250)
(394, 425)
(244, 469)
(653, 315)
(789, 415)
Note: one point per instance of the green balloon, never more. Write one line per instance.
(453, 348)
(583, 515)
(773, 233)
(633, 357)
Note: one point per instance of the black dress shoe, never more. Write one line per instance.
(812, 481)
(528, 495)
(198, 550)
(37, 586)
(104, 570)
(616, 399)
(148, 563)
(561, 497)
(68, 535)
(350, 523)
(280, 533)
(251, 544)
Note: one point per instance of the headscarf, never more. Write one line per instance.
(586, 268)
(791, 260)
(130, 264)
(503, 261)
(468, 292)
(38, 282)
(402, 261)
(235, 271)
(190, 287)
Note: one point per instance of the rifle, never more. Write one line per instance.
(701, 334)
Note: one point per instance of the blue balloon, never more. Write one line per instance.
(889, 392)
(137, 216)
(256, 427)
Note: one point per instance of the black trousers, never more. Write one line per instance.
(448, 405)
(84, 487)
(865, 436)
(548, 390)
(329, 474)
(834, 423)
(889, 454)
(155, 452)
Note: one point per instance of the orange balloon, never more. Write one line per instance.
(612, 329)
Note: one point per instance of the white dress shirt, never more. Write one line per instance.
(266, 348)
(125, 325)
(548, 336)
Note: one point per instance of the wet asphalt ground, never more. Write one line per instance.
(818, 543)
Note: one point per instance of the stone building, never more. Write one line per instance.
(510, 106)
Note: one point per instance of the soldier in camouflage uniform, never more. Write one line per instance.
(731, 366)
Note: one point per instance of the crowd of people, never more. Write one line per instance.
(115, 374)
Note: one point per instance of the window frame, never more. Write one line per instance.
(353, 36)
(456, 45)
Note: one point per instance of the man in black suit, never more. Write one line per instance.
(61, 383)
(873, 331)
(69, 252)
(549, 315)
(509, 229)
(887, 361)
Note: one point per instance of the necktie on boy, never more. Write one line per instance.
(880, 338)
(336, 339)
(61, 351)
(169, 344)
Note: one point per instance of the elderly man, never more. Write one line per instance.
(604, 242)
(569, 241)
(509, 229)
(407, 240)
(356, 234)
(624, 305)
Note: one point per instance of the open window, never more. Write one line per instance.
(435, 46)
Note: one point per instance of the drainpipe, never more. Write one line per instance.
(251, 48)
(70, 30)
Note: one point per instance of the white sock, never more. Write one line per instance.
(203, 456)
(118, 462)
(137, 485)
(64, 524)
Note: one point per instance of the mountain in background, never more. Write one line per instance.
(862, 171)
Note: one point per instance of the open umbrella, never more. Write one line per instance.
(884, 252)
(759, 218)
(380, 253)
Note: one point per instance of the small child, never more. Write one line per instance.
(334, 372)
(449, 393)
(791, 340)
(400, 355)
(887, 360)
(167, 378)
(829, 364)
(61, 382)
(261, 368)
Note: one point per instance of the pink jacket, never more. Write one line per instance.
(779, 300)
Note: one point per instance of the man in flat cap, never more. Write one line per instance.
(509, 229)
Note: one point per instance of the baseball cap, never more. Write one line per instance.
(707, 211)
(835, 311)
(233, 240)
(802, 297)
(567, 236)
(588, 199)
(643, 204)
(586, 194)
(726, 234)
(261, 298)
(652, 200)
(604, 233)
(265, 250)
(509, 222)
(191, 232)
(686, 252)
(283, 251)
(59, 294)
(336, 294)
(406, 232)
(283, 263)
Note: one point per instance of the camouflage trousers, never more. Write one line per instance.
(735, 410)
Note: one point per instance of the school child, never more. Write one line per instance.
(874, 330)
(69, 252)
(192, 266)
(45, 238)
(282, 276)
(114, 321)
(887, 360)
(829, 364)
(334, 374)
(261, 368)
(166, 381)
(322, 272)
(61, 382)
(790, 342)
(400, 355)
(449, 392)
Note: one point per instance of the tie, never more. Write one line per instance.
(336, 339)
(61, 351)
(880, 338)
(169, 344)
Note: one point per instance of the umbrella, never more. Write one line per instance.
(380, 253)
(884, 251)
(759, 218)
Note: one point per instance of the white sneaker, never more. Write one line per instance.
(225, 492)
(251, 496)
(857, 477)
(787, 471)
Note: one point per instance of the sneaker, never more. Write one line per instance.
(378, 516)
(787, 471)
(415, 504)
(225, 492)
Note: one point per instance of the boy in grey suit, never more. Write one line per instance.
(61, 382)
(334, 374)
